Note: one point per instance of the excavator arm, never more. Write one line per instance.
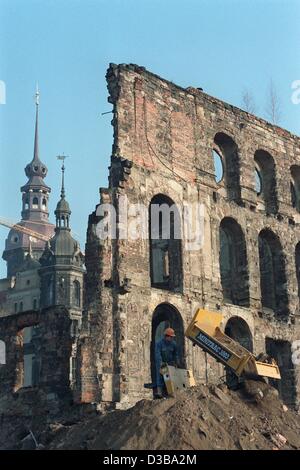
(204, 330)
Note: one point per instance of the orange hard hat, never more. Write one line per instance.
(169, 332)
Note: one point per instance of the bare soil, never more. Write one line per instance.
(199, 418)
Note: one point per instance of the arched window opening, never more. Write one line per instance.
(165, 244)
(49, 291)
(31, 358)
(295, 187)
(272, 273)
(218, 166)
(265, 167)
(44, 204)
(35, 203)
(238, 330)
(267, 274)
(26, 204)
(15, 238)
(233, 263)
(231, 165)
(76, 293)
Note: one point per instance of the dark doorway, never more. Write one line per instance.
(28, 367)
(282, 353)
(164, 316)
(238, 330)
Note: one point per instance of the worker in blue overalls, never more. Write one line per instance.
(166, 352)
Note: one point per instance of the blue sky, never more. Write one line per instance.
(222, 46)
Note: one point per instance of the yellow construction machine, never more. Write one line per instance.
(204, 330)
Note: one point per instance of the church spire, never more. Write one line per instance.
(36, 135)
(62, 212)
(35, 191)
(62, 193)
(35, 213)
(63, 261)
(36, 170)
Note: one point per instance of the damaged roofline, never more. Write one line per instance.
(195, 91)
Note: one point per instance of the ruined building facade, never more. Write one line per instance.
(168, 143)
(172, 147)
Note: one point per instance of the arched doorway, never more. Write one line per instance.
(238, 330)
(282, 352)
(164, 316)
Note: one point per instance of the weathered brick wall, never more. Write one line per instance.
(163, 141)
(52, 392)
(96, 367)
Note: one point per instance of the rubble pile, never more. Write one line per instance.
(202, 417)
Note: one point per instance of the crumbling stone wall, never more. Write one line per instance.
(164, 136)
(52, 392)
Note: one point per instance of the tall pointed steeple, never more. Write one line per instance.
(62, 261)
(62, 193)
(36, 134)
(62, 212)
(35, 214)
(35, 191)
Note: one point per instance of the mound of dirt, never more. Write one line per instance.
(199, 418)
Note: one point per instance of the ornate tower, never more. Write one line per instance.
(35, 214)
(62, 264)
